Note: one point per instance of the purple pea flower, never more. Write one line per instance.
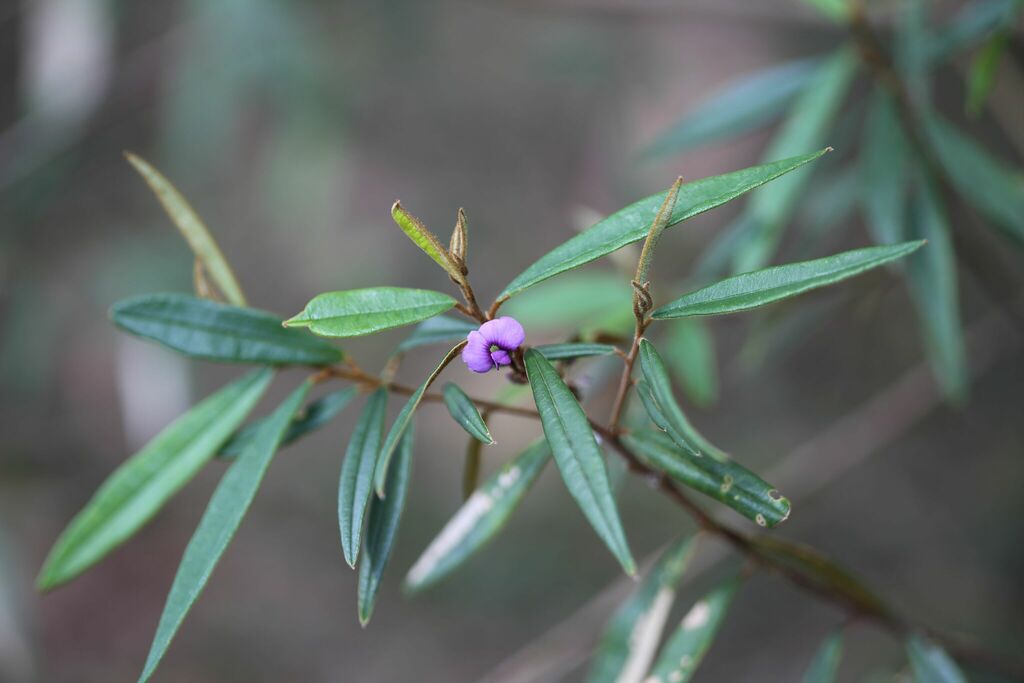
(491, 346)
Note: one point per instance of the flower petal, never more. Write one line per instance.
(475, 354)
(506, 332)
(501, 357)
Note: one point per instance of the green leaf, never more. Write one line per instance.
(836, 10)
(205, 329)
(883, 166)
(227, 506)
(686, 648)
(750, 290)
(437, 330)
(930, 662)
(479, 519)
(382, 527)
(632, 223)
(806, 126)
(690, 350)
(464, 411)
(357, 312)
(994, 189)
(192, 229)
(983, 71)
(575, 350)
(426, 240)
(590, 299)
(826, 661)
(577, 454)
(141, 485)
(746, 103)
(311, 418)
(356, 483)
(403, 420)
(631, 638)
(973, 23)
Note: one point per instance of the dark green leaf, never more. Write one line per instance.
(574, 350)
(826, 661)
(750, 290)
(356, 484)
(631, 638)
(219, 332)
(690, 350)
(479, 519)
(577, 454)
(464, 411)
(224, 513)
(883, 170)
(632, 223)
(441, 329)
(147, 480)
(357, 312)
(930, 662)
(382, 527)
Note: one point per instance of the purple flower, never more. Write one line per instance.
(492, 345)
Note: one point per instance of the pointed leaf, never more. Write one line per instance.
(356, 483)
(464, 411)
(227, 507)
(441, 329)
(205, 329)
(577, 454)
(631, 638)
(690, 351)
(826, 661)
(479, 519)
(632, 223)
(575, 350)
(883, 166)
(356, 312)
(750, 290)
(141, 485)
(425, 240)
(930, 662)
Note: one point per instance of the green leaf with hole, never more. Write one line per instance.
(632, 223)
(748, 102)
(356, 483)
(690, 352)
(145, 482)
(357, 312)
(479, 519)
(442, 329)
(200, 328)
(227, 507)
(761, 287)
(930, 662)
(575, 350)
(631, 638)
(826, 660)
(382, 527)
(577, 454)
(464, 411)
(685, 649)
(426, 240)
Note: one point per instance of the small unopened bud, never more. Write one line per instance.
(459, 242)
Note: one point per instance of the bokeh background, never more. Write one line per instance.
(292, 126)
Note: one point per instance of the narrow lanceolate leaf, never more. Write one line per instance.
(930, 662)
(205, 329)
(631, 637)
(826, 661)
(577, 454)
(404, 418)
(632, 223)
(356, 483)
(382, 527)
(425, 240)
(479, 519)
(441, 329)
(192, 229)
(750, 290)
(690, 350)
(746, 103)
(147, 480)
(309, 419)
(883, 166)
(464, 411)
(575, 350)
(223, 515)
(356, 312)
(685, 649)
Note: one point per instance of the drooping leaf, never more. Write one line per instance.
(883, 164)
(192, 229)
(592, 299)
(746, 103)
(464, 411)
(479, 519)
(382, 527)
(403, 420)
(685, 649)
(356, 312)
(577, 454)
(632, 223)
(690, 351)
(141, 485)
(205, 329)
(983, 71)
(574, 350)
(227, 507)
(930, 662)
(750, 290)
(826, 660)
(309, 419)
(441, 329)
(356, 483)
(631, 638)
(425, 240)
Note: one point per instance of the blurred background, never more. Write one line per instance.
(292, 127)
